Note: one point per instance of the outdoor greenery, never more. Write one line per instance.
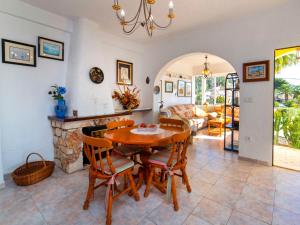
(285, 61)
(288, 121)
(290, 93)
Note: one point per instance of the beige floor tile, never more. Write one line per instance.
(285, 217)
(224, 196)
(230, 184)
(256, 209)
(212, 212)
(194, 220)
(287, 201)
(258, 193)
(207, 176)
(238, 218)
(165, 215)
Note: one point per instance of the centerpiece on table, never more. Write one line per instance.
(57, 93)
(129, 99)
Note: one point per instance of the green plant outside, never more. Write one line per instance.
(288, 121)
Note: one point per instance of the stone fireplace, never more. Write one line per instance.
(67, 138)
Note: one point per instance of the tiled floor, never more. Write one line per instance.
(287, 157)
(225, 190)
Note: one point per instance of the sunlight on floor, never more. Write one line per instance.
(287, 157)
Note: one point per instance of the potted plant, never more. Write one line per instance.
(57, 93)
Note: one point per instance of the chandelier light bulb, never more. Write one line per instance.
(171, 5)
(122, 14)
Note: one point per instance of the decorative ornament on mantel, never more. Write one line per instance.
(57, 93)
(129, 99)
(147, 18)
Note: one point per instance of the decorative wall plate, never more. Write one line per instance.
(96, 75)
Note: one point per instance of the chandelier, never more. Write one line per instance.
(206, 72)
(143, 17)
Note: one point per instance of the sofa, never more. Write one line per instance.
(196, 117)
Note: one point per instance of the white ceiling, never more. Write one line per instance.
(193, 65)
(189, 13)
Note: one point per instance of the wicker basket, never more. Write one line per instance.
(33, 172)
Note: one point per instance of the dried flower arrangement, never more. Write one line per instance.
(129, 99)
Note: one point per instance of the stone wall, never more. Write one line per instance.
(67, 141)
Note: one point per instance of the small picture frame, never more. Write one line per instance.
(188, 89)
(168, 86)
(124, 73)
(50, 49)
(18, 53)
(181, 88)
(256, 71)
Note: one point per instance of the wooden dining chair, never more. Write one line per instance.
(107, 168)
(168, 123)
(124, 150)
(169, 162)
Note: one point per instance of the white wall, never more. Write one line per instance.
(1, 166)
(25, 104)
(239, 41)
(92, 47)
(172, 98)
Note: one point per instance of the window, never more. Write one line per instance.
(210, 90)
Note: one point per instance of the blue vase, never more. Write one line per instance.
(61, 109)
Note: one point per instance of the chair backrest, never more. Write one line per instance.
(95, 147)
(119, 124)
(171, 122)
(180, 143)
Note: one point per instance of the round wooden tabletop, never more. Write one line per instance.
(124, 136)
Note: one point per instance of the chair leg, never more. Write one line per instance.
(149, 181)
(176, 207)
(125, 181)
(109, 208)
(133, 187)
(90, 192)
(186, 180)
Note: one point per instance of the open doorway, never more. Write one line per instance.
(200, 106)
(286, 151)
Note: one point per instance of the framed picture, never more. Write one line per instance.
(18, 53)
(256, 71)
(188, 89)
(181, 88)
(124, 73)
(51, 49)
(169, 86)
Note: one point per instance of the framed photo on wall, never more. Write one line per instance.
(181, 88)
(50, 49)
(169, 86)
(188, 89)
(18, 53)
(256, 71)
(124, 73)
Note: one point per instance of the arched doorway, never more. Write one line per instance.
(188, 67)
(206, 94)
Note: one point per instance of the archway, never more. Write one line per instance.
(187, 66)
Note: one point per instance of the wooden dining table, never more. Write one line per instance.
(127, 137)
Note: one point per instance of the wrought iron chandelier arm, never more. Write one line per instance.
(163, 27)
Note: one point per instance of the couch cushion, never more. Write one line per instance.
(212, 115)
(200, 113)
